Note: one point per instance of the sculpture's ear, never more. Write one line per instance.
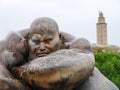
(27, 36)
(61, 37)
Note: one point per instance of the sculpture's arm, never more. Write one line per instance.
(12, 52)
(62, 70)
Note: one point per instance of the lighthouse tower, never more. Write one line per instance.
(101, 30)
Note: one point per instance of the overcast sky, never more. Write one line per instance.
(77, 17)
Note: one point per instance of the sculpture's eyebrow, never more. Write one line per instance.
(48, 38)
(36, 37)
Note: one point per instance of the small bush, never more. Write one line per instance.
(109, 65)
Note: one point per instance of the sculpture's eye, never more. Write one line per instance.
(36, 41)
(48, 40)
(36, 38)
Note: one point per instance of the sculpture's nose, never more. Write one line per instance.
(42, 47)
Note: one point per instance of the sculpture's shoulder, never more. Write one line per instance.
(80, 43)
(67, 37)
(24, 32)
(12, 39)
(16, 42)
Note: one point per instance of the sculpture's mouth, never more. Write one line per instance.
(40, 54)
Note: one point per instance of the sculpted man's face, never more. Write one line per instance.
(43, 42)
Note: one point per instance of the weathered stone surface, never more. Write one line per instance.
(62, 70)
(97, 81)
(7, 82)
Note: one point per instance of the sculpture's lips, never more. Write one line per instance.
(41, 54)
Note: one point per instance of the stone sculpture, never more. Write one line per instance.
(43, 58)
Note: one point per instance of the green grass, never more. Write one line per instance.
(109, 65)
